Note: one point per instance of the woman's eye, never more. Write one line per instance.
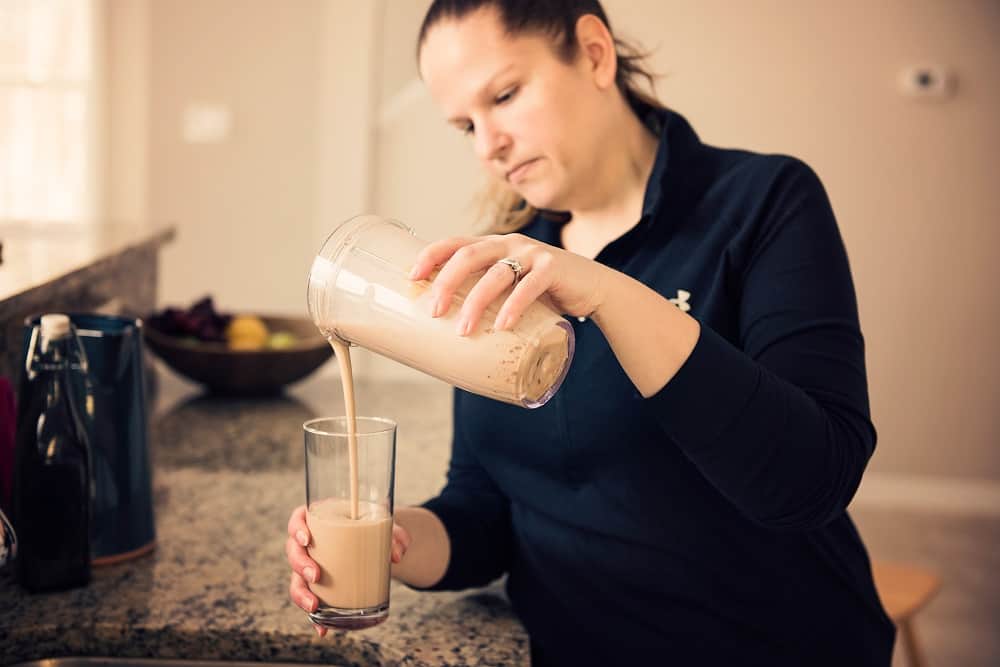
(506, 95)
(468, 128)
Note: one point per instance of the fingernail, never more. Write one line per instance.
(413, 272)
(319, 630)
(502, 323)
(302, 538)
(307, 603)
(310, 574)
(464, 326)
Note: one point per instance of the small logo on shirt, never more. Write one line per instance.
(681, 300)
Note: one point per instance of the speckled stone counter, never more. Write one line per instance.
(226, 475)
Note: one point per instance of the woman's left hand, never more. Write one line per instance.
(573, 284)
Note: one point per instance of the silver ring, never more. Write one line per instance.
(514, 265)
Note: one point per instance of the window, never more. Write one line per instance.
(48, 116)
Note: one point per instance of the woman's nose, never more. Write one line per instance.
(491, 142)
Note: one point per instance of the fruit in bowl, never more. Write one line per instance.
(236, 353)
(246, 332)
(249, 332)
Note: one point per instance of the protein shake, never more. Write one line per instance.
(523, 366)
(343, 353)
(353, 553)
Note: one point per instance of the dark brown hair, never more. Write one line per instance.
(503, 208)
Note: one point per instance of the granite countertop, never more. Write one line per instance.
(38, 254)
(227, 473)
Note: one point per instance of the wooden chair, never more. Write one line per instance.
(904, 590)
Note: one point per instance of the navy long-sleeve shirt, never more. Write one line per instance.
(707, 523)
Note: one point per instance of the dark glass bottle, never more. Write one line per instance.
(52, 474)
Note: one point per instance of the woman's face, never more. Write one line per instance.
(532, 118)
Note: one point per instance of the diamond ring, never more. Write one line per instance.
(514, 265)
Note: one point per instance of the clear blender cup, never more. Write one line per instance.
(359, 292)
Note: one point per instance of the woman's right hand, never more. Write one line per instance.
(305, 570)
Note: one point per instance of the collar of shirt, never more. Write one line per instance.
(664, 195)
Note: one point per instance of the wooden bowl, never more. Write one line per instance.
(244, 372)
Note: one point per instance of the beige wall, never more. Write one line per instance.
(246, 206)
(329, 121)
(127, 110)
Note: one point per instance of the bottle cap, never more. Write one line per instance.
(54, 326)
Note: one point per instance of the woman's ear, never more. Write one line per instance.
(597, 48)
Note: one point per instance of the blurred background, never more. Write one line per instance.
(255, 126)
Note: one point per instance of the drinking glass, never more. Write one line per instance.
(350, 544)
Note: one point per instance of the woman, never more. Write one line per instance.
(683, 496)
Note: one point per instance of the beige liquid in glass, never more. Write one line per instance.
(350, 539)
(353, 554)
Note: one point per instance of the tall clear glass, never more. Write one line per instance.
(353, 554)
(359, 291)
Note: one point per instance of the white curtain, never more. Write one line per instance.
(47, 110)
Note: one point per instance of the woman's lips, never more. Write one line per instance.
(519, 172)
